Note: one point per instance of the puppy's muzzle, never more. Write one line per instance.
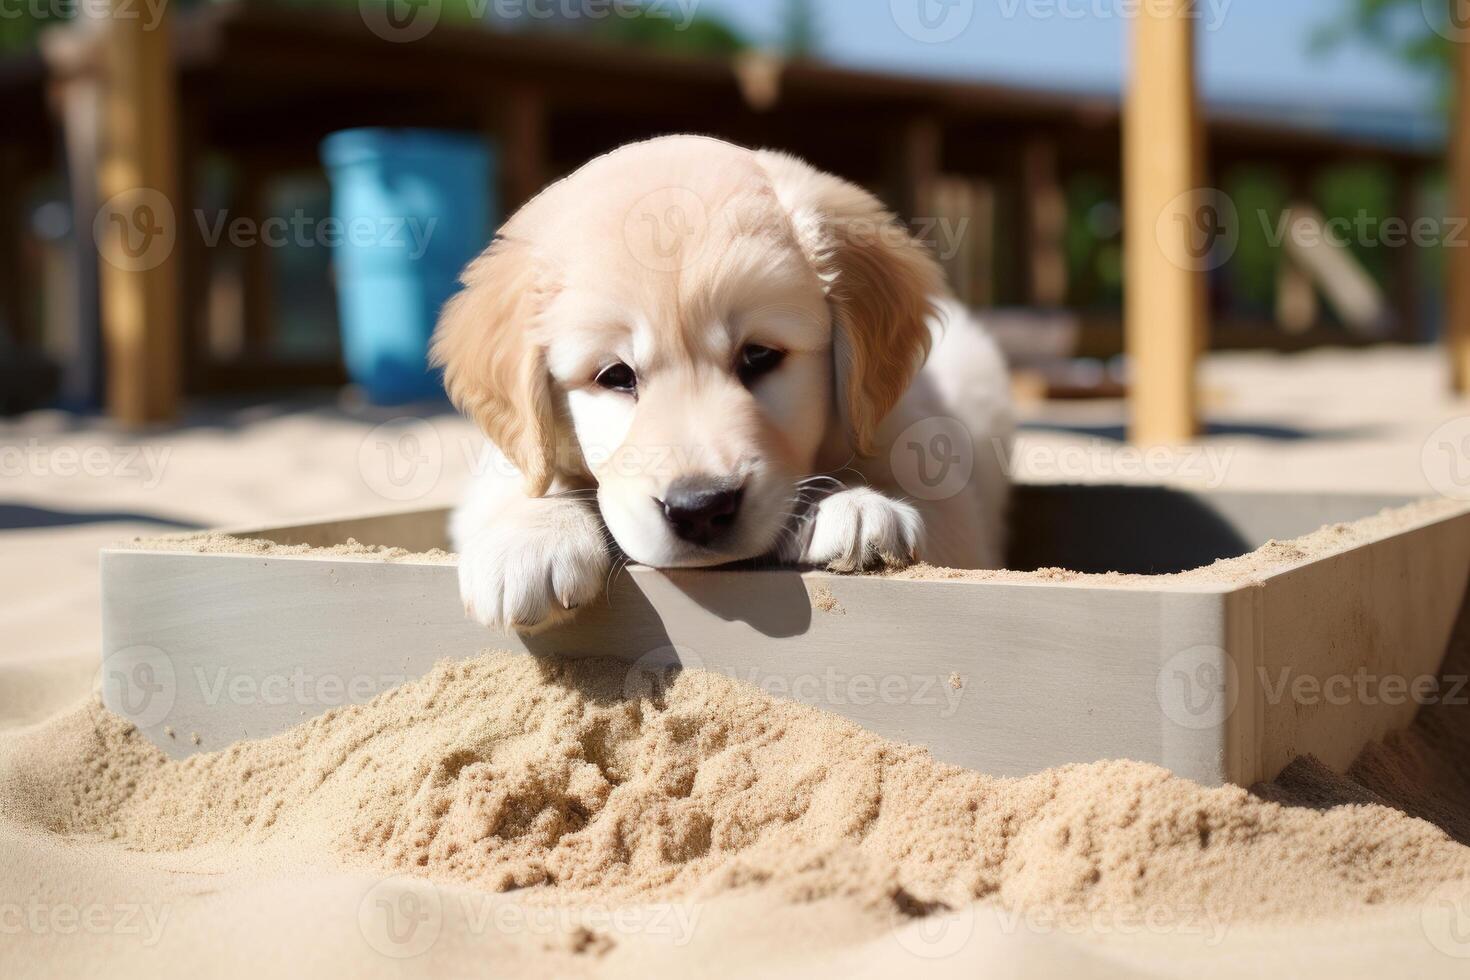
(701, 510)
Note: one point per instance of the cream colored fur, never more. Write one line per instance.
(671, 256)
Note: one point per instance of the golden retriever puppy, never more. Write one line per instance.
(700, 354)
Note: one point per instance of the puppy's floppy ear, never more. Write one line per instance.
(494, 369)
(881, 284)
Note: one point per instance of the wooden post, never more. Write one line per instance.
(963, 239)
(1163, 289)
(258, 291)
(73, 60)
(1457, 260)
(194, 258)
(521, 127)
(140, 218)
(1296, 294)
(1044, 211)
(919, 165)
(1407, 267)
(14, 315)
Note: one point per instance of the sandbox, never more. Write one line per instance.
(1168, 639)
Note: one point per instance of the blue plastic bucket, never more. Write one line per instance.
(411, 208)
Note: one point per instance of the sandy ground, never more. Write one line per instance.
(68, 894)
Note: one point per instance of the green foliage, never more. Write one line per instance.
(22, 21)
(1399, 27)
(22, 24)
(1362, 194)
(799, 30)
(1093, 244)
(622, 23)
(1260, 197)
(700, 35)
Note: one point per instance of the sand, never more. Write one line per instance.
(582, 781)
(221, 543)
(583, 785)
(837, 854)
(1271, 558)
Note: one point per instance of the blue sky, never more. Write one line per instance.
(1254, 51)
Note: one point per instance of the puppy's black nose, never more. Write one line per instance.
(700, 510)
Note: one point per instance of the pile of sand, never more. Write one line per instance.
(1270, 558)
(580, 781)
(221, 543)
(543, 783)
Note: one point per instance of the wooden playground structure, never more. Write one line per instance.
(137, 105)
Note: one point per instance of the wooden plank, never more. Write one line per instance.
(1163, 284)
(1093, 528)
(1101, 335)
(240, 646)
(138, 225)
(1297, 309)
(1350, 645)
(1008, 677)
(1457, 260)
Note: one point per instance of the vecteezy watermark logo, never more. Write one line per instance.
(651, 674)
(224, 685)
(146, 464)
(1362, 686)
(1032, 459)
(679, 13)
(401, 459)
(150, 12)
(1445, 459)
(1449, 19)
(138, 683)
(831, 687)
(401, 916)
(665, 230)
(1197, 688)
(934, 458)
(145, 923)
(1308, 229)
(674, 923)
(408, 233)
(1210, 13)
(1209, 922)
(932, 21)
(400, 21)
(1199, 230)
(1445, 918)
(135, 230)
(940, 934)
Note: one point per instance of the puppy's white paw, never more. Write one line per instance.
(859, 529)
(535, 572)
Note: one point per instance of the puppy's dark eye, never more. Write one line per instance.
(618, 377)
(756, 360)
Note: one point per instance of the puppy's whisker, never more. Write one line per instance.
(794, 518)
(622, 562)
(578, 494)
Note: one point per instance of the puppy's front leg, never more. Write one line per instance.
(859, 529)
(526, 563)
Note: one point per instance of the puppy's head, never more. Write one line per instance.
(693, 327)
